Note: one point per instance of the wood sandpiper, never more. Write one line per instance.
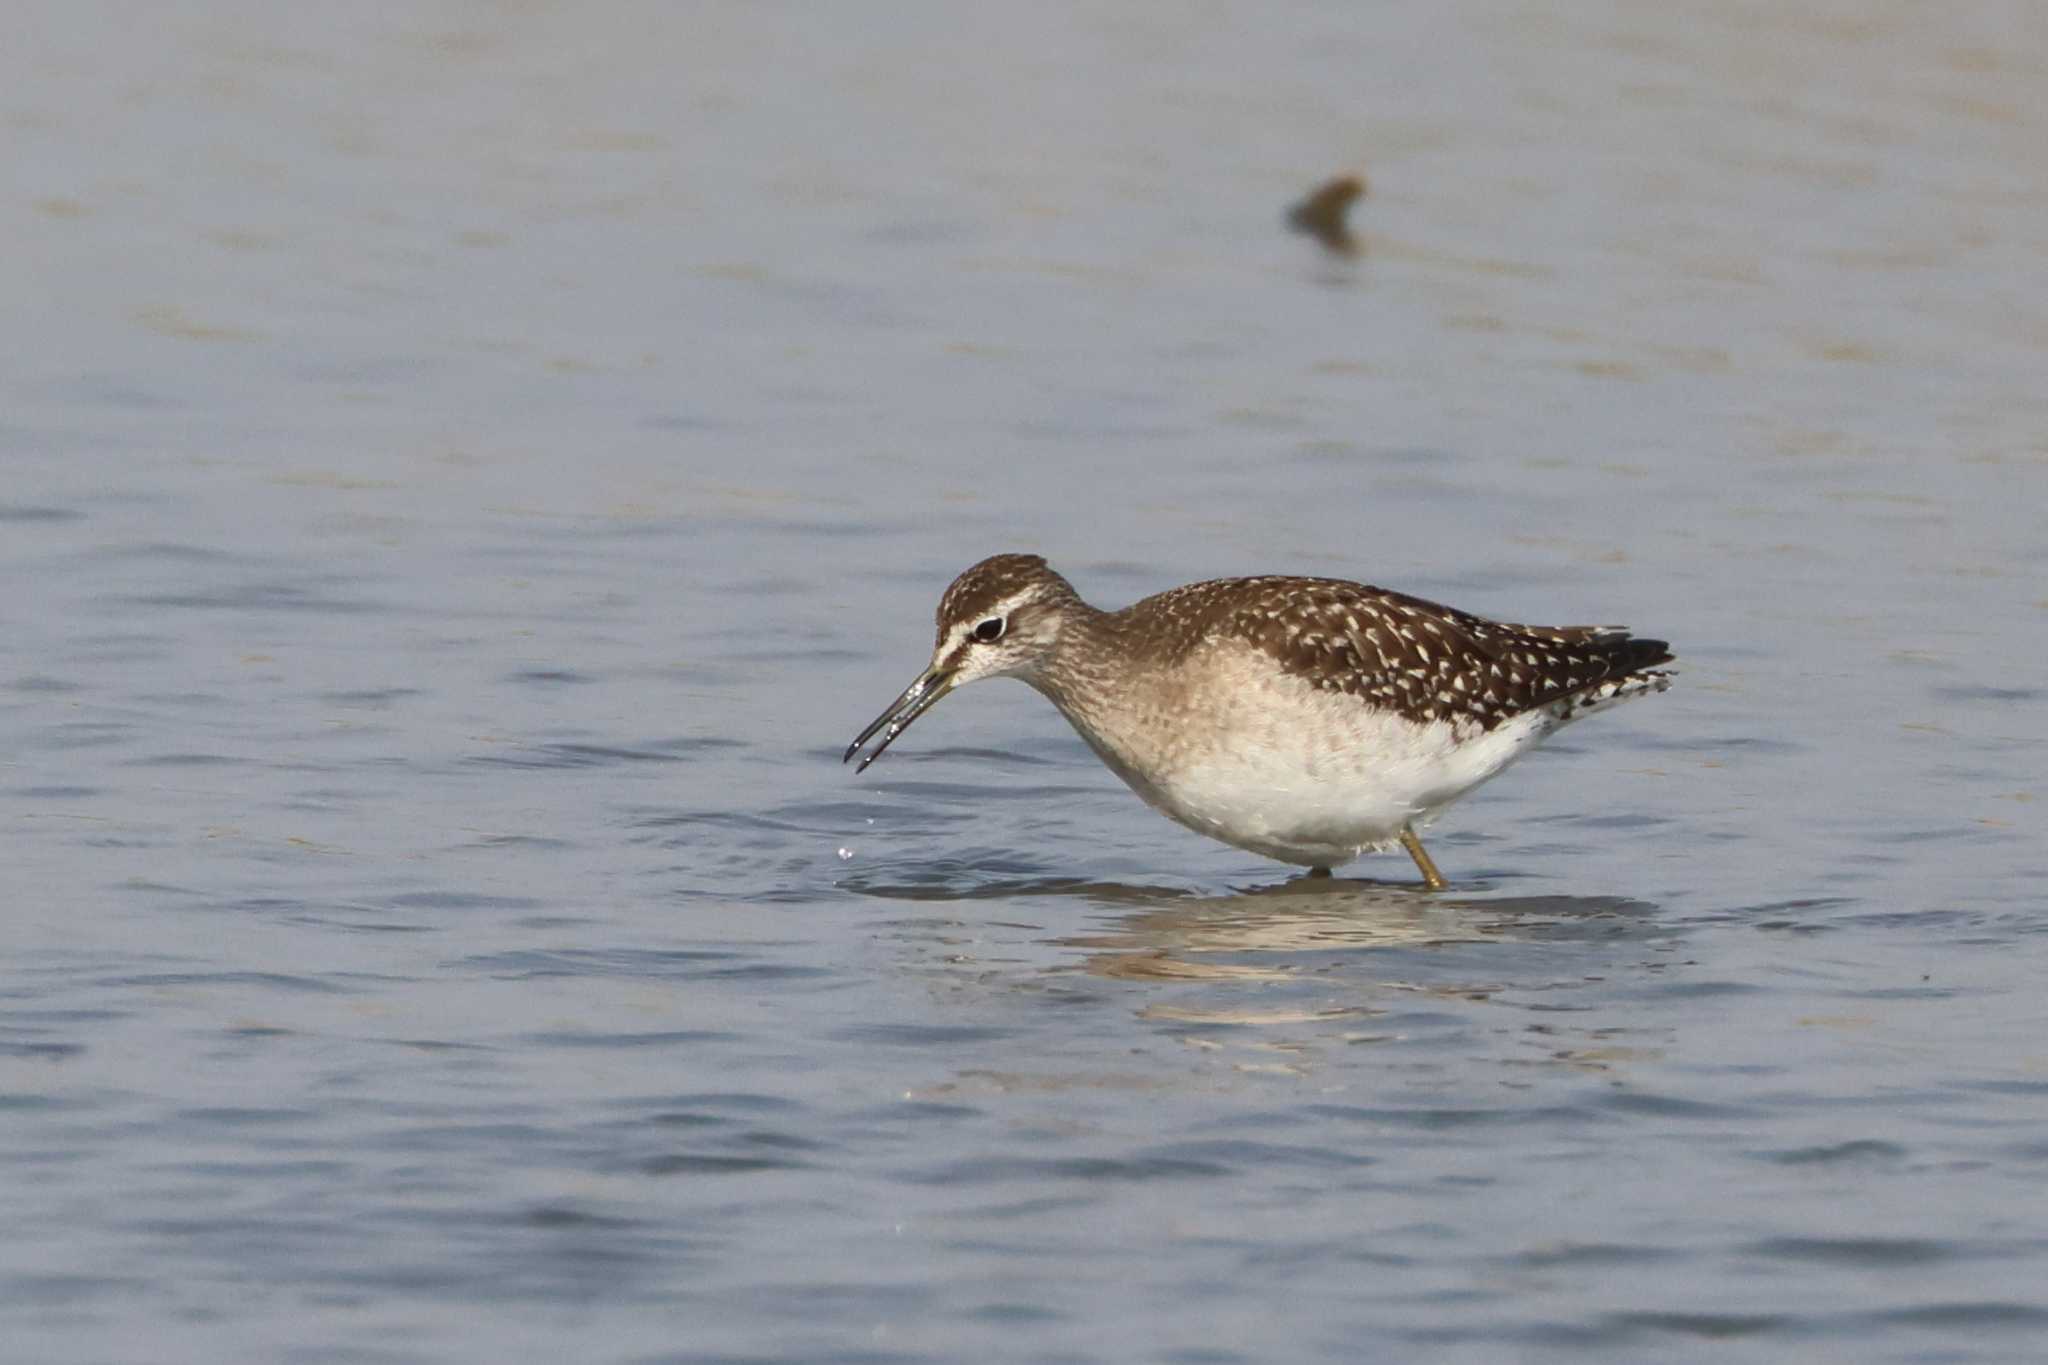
(1305, 719)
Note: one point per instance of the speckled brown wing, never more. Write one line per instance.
(1423, 660)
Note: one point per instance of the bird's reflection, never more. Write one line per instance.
(1165, 932)
(1212, 936)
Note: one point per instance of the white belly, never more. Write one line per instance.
(1272, 765)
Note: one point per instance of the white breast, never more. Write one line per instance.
(1261, 759)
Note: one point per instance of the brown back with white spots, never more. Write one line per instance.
(1423, 660)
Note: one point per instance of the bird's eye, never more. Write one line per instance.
(991, 629)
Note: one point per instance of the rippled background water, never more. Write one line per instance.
(469, 468)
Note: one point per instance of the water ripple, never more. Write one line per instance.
(1876, 1253)
(668, 1038)
(679, 964)
(23, 514)
(1010, 1169)
(1853, 1152)
(568, 755)
(268, 981)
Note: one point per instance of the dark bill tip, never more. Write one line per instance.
(917, 699)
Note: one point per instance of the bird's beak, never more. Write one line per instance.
(917, 699)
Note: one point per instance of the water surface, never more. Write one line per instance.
(470, 468)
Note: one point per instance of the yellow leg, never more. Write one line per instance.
(1431, 878)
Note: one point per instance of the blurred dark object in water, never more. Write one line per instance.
(1321, 215)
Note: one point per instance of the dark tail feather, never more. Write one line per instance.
(1634, 654)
